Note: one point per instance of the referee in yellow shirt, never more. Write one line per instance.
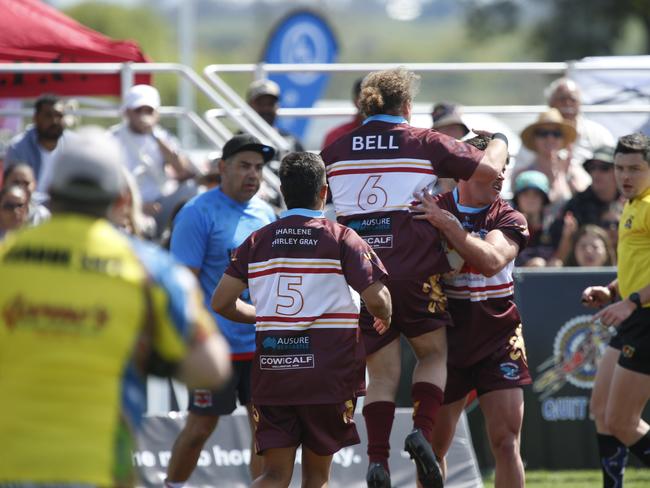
(622, 386)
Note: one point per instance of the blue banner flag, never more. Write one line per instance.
(301, 37)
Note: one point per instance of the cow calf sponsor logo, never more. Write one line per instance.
(288, 361)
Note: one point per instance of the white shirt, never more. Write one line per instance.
(144, 159)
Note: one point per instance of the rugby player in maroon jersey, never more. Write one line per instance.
(486, 347)
(306, 275)
(373, 173)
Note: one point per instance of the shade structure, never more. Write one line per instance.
(32, 31)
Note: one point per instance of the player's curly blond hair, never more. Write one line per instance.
(385, 91)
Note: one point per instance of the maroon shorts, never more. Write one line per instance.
(324, 429)
(419, 307)
(505, 368)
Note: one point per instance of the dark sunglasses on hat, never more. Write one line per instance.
(548, 133)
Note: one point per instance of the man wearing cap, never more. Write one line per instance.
(148, 147)
(87, 313)
(264, 97)
(39, 144)
(591, 205)
(206, 232)
(448, 119)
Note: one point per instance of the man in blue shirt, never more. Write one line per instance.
(206, 231)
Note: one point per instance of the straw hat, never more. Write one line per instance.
(552, 117)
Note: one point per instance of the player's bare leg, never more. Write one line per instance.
(256, 460)
(379, 410)
(629, 394)
(315, 469)
(444, 430)
(600, 391)
(278, 468)
(188, 445)
(504, 413)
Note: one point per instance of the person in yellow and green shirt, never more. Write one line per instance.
(622, 386)
(86, 312)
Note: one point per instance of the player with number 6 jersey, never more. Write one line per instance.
(374, 172)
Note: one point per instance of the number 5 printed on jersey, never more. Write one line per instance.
(372, 195)
(290, 299)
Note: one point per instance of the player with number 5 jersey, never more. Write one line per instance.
(374, 172)
(305, 274)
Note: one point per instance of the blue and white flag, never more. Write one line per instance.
(301, 37)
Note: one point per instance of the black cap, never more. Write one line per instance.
(246, 142)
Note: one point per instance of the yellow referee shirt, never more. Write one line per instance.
(634, 246)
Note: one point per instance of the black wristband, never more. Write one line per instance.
(499, 135)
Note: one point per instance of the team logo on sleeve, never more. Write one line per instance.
(510, 371)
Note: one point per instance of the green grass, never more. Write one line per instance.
(634, 478)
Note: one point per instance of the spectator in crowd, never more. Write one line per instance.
(448, 119)
(610, 219)
(311, 406)
(206, 232)
(105, 311)
(38, 146)
(152, 154)
(546, 137)
(22, 174)
(373, 173)
(342, 129)
(564, 95)
(591, 247)
(589, 206)
(14, 204)
(129, 216)
(531, 199)
(622, 385)
(264, 97)
(487, 330)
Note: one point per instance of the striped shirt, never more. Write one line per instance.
(305, 274)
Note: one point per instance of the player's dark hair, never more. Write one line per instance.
(384, 92)
(302, 175)
(636, 143)
(46, 99)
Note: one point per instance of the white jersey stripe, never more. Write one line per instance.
(379, 163)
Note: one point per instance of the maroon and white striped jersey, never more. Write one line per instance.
(373, 173)
(482, 308)
(305, 274)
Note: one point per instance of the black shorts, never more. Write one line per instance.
(224, 401)
(633, 340)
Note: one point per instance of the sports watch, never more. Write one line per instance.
(635, 298)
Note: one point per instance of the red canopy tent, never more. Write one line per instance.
(31, 31)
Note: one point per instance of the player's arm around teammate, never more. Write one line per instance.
(501, 400)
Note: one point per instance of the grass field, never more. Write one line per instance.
(634, 478)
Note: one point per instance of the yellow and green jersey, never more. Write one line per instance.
(83, 309)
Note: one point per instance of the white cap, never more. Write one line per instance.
(88, 168)
(262, 87)
(142, 96)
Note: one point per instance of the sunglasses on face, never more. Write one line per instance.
(597, 166)
(548, 133)
(13, 206)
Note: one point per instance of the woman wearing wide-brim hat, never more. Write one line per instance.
(548, 138)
